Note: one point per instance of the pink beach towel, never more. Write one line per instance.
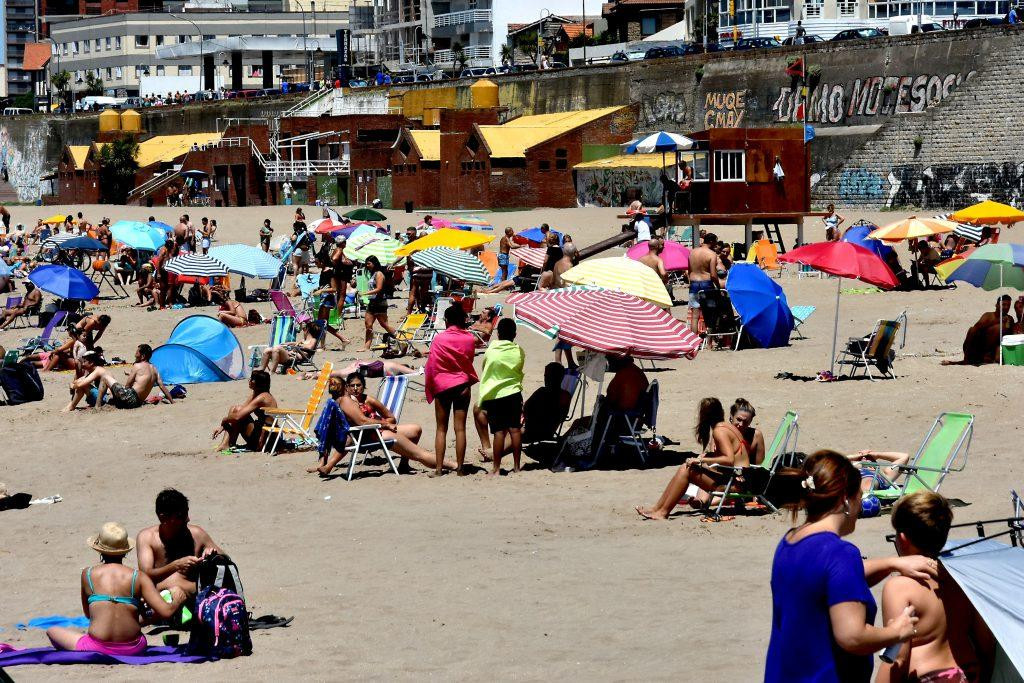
(450, 363)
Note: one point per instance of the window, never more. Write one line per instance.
(729, 166)
(110, 73)
(544, 165)
(117, 42)
(184, 70)
(847, 8)
(141, 41)
(160, 71)
(159, 40)
(118, 72)
(208, 36)
(108, 43)
(64, 49)
(648, 25)
(74, 48)
(182, 39)
(85, 47)
(97, 44)
(812, 9)
(561, 159)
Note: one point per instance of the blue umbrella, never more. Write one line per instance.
(858, 235)
(536, 236)
(163, 226)
(247, 261)
(67, 283)
(83, 243)
(139, 235)
(5, 269)
(761, 304)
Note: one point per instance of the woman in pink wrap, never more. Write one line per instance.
(449, 375)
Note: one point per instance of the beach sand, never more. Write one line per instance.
(532, 576)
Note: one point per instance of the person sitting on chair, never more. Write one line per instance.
(547, 407)
(924, 265)
(291, 352)
(627, 386)
(484, 325)
(878, 478)
(33, 298)
(247, 420)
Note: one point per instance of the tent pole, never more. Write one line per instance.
(835, 328)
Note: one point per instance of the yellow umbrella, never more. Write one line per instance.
(988, 212)
(912, 228)
(621, 275)
(57, 219)
(446, 237)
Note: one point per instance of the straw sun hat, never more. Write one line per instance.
(111, 540)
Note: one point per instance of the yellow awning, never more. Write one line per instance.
(628, 161)
(167, 148)
(78, 154)
(429, 143)
(512, 139)
(446, 237)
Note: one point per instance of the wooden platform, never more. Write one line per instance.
(748, 220)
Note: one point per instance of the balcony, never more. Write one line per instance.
(466, 17)
(476, 55)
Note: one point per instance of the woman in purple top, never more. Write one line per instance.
(822, 609)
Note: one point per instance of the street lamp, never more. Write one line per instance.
(202, 65)
(540, 32)
(305, 50)
(49, 78)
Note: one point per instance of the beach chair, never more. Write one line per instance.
(944, 450)
(282, 304)
(308, 364)
(768, 256)
(874, 351)
(635, 425)
(405, 334)
(366, 439)
(293, 422)
(436, 322)
(44, 341)
(13, 302)
(719, 317)
(800, 316)
(757, 478)
(282, 331)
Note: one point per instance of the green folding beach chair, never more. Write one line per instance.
(874, 351)
(757, 478)
(943, 450)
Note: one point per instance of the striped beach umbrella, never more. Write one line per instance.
(471, 223)
(325, 226)
(608, 322)
(660, 142)
(58, 239)
(621, 275)
(196, 265)
(360, 241)
(247, 260)
(531, 256)
(454, 263)
(383, 248)
(525, 298)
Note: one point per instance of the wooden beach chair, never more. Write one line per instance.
(295, 422)
(874, 351)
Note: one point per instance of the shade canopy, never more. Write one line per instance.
(454, 263)
(248, 261)
(844, 259)
(913, 228)
(471, 223)
(675, 256)
(660, 142)
(992, 266)
(761, 304)
(607, 322)
(365, 214)
(445, 237)
(988, 212)
(57, 219)
(200, 349)
(621, 275)
(139, 235)
(65, 282)
(83, 243)
(196, 265)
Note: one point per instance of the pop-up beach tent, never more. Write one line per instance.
(200, 349)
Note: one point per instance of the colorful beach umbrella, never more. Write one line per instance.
(138, 235)
(247, 261)
(858, 234)
(912, 228)
(608, 322)
(761, 304)
(365, 214)
(993, 266)
(445, 237)
(988, 212)
(660, 142)
(534, 237)
(435, 224)
(58, 239)
(384, 249)
(844, 260)
(471, 223)
(359, 241)
(65, 282)
(531, 256)
(357, 231)
(196, 265)
(675, 256)
(620, 275)
(326, 226)
(454, 263)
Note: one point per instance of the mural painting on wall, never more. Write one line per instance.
(664, 107)
(23, 170)
(724, 109)
(940, 186)
(607, 187)
(875, 96)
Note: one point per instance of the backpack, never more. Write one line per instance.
(21, 384)
(221, 627)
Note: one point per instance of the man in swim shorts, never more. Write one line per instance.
(131, 394)
(703, 272)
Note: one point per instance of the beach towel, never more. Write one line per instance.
(331, 430)
(450, 363)
(54, 620)
(503, 371)
(48, 655)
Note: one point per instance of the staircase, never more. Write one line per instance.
(316, 104)
(8, 194)
(137, 195)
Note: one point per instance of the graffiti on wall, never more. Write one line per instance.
(606, 187)
(724, 109)
(875, 96)
(24, 167)
(664, 107)
(934, 186)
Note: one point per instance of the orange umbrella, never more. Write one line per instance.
(490, 261)
(912, 228)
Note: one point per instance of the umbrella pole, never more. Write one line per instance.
(835, 328)
(999, 308)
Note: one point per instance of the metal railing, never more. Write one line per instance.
(306, 103)
(464, 17)
(472, 52)
(151, 185)
(301, 169)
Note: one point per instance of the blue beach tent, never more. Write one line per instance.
(200, 349)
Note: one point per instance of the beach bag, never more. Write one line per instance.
(21, 384)
(221, 629)
(217, 572)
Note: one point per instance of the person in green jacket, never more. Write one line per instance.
(501, 394)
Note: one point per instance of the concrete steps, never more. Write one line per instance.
(8, 194)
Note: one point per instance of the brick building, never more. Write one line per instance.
(630, 20)
(234, 174)
(526, 162)
(77, 176)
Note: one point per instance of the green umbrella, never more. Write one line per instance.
(383, 249)
(454, 263)
(365, 214)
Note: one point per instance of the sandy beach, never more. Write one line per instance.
(533, 576)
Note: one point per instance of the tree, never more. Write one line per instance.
(508, 54)
(93, 84)
(60, 82)
(117, 169)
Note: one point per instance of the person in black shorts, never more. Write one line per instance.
(342, 267)
(377, 307)
(501, 394)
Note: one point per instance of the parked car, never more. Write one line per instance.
(859, 34)
(269, 92)
(478, 72)
(756, 44)
(619, 57)
(665, 51)
(808, 39)
(978, 22)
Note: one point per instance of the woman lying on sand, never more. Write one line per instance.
(724, 444)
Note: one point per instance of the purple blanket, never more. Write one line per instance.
(48, 655)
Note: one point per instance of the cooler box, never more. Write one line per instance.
(1013, 349)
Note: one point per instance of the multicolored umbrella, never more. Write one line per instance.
(454, 263)
(531, 256)
(384, 249)
(326, 226)
(675, 256)
(858, 234)
(355, 232)
(247, 261)
(761, 303)
(471, 223)
(359, 241)
(138, 235)
(65, 282)
(844, 260)
(365, 214)
(621, 275)
(196, 265)
(445, 237)
(912, 228)
(988, 212)
(608, 322)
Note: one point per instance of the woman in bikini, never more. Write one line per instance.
(247, 420)
(112, 599)
(722, 443)
(361, 410)
(232, 313)
(301, 351)
(342, 268)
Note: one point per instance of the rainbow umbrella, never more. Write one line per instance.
(471, 223)
(912, 228)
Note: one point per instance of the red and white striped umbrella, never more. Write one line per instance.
(531, 256)
(607, 322)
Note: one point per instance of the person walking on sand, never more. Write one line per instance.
(266, 232)
(448, 377)
(500, 404)
(703, 275)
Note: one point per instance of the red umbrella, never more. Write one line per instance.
(608, 322)
(328, 225)
(843, 259)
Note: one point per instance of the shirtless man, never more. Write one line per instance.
(505, 246)
(552, 279)
(653, 258)
(703, 272)
(180, 232)
(132, 394)
(951, 643)
(33, 297)
(981, 345)
(170, 551)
